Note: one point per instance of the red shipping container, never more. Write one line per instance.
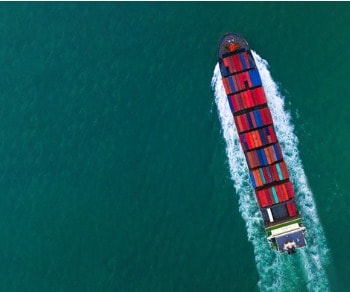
(255, 93)
(241, 81)
(238, 124)
(266, 197)
(266, 177)
(250, 159)
(273, 135)
(245, 97)
(241, 121)
(264, 116)
(256, 159)
(260, 198)
(225, 61)
(241, 77)
(227, 88)
(249, 141)
(272, 153)
(239, 101)
(248, 79)
(246, 59)
(234, 103)
(252, 117)
(251, 99)
(257, 134)
(284, 192)
(279, 193)
(244, 123)
(290, 190)
(231, 65)
(253, 172)
(270, 196)
(275, 173)
(291, 209)
(257, 175)
(256, 138)
(260, 95)
(238, 120)
(284, 169)
(237, 62)
(268, 116)
(285, 189)
(252, 140)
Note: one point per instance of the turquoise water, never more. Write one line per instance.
(114, 173)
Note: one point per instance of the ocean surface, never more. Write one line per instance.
(120, 169)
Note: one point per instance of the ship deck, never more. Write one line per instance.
(230, 43)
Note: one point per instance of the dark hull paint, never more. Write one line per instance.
(267, 169)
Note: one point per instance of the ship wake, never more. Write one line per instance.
(277, 272)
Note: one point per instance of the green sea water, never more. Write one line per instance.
(114, 174)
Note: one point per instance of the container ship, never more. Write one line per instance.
(268, 171)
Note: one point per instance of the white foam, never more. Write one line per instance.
(276, 271)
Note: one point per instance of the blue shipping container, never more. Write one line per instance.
(258, 118)
(250, 122)
(262, 136)
(232, 85)
(252, 180)
(277, 152)
(274, 194)
(231, 105)
(279, 172)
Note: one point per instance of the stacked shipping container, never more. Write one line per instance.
(268, 172)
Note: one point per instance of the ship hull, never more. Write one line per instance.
(268, 171)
